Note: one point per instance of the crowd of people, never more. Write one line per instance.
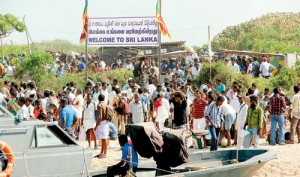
(102, 110)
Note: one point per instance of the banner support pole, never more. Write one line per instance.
(159, 47)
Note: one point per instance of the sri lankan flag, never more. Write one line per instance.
(83, 35)
(162, 26)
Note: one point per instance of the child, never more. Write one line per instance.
(267, 122)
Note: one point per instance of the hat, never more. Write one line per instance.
(63, 100)
(209, 81)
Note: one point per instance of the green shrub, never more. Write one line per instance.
(218, 71)
(49, 81)
(34, 66)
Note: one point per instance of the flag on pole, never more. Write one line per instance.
(83, 35)
(162, 26)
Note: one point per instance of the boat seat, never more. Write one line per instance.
(199, 132)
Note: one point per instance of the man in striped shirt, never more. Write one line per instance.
(197, 111)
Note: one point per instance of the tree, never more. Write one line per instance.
(10, 23)
(35, 66)
(267, 34)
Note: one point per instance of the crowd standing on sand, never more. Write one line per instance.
(101, 110)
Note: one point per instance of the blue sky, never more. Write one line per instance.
(186, 19)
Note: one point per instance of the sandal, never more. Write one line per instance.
(98, 156)
(101, 156)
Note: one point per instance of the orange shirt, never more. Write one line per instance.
(37, 112)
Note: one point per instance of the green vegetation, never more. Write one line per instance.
(34, 66)
(270, 33)
(287, 78)
(49, 81)
(9, 23)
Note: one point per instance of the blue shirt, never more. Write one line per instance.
(125, 155)
(241, 65)
(214, 113)
(220, 88)
(67, 113)
(171, 66)
(143, 99)
(81, 66)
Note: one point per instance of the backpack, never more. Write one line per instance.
(123, 107)
(136, 70)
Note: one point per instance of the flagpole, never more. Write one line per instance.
(86, 48)
(159, 46)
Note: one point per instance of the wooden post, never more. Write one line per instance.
(26, 32)
(209, 51)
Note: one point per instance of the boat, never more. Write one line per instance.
(221, 163)
(40, 149)
(43, 149)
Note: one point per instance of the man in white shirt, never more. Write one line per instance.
(235, 66)
(156, 69)
(179, 71)
(137, 110)
(169, 74)
(230, 116)
(265, 68)
(96, 93)
(23, 110)
(151, 87)
(241, 119)
(30, 108)
(31, 90)
(295, 115)
(208, 86)
(45, 99)
(78, 105)
(195, 70)
(131, 92)
(10, 70)
(102, 64)
(163, 112)
(256, 91)
(111, 96)
(128, 66)
(250, 67)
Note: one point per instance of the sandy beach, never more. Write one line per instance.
(287, 163)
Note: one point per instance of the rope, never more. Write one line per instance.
(26, 166)
(58, 175)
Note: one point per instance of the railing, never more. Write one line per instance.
(13, 129)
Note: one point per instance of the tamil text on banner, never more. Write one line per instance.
(123, 31)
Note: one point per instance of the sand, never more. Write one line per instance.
(287, 163)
